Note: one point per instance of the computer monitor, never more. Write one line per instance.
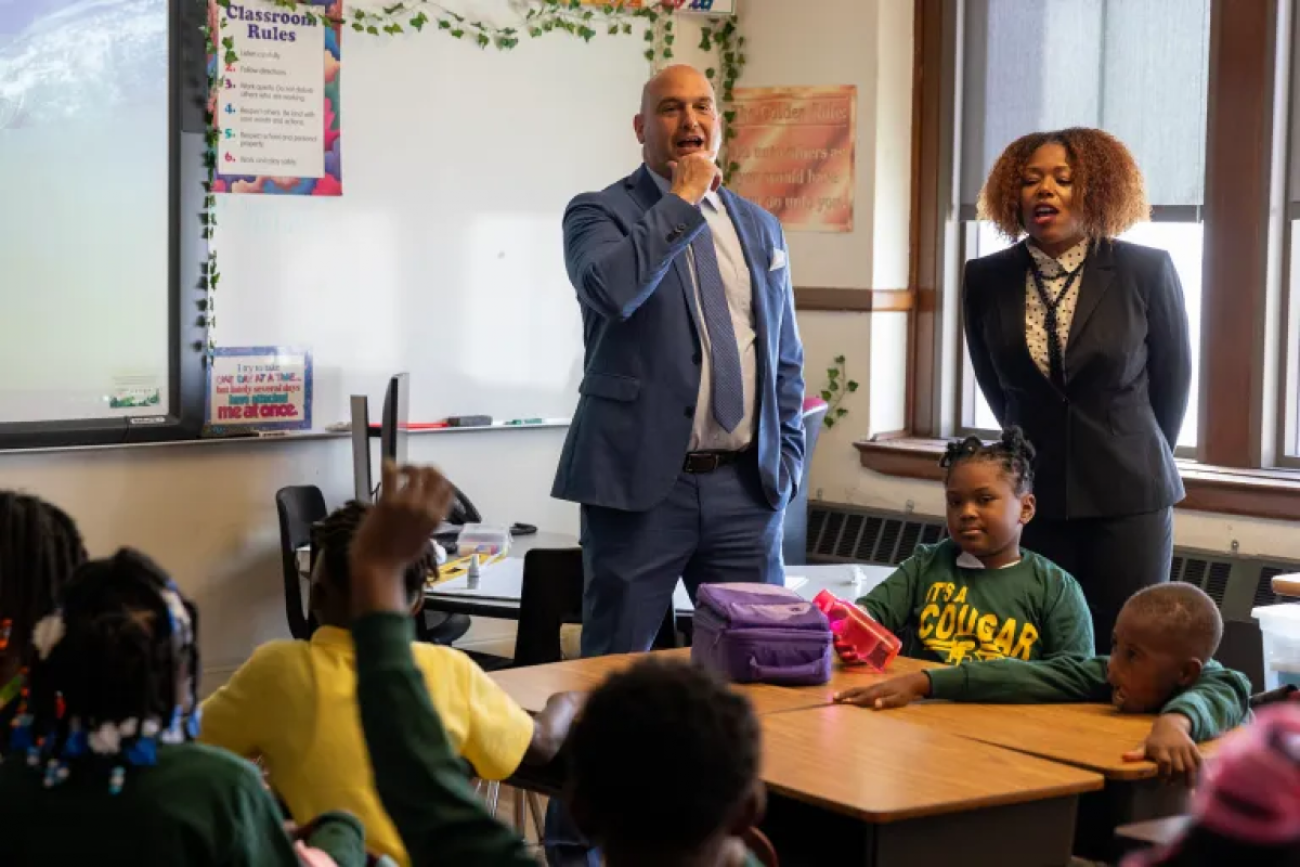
(362, 486)
(395, 423)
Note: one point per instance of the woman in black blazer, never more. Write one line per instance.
(1082, 341)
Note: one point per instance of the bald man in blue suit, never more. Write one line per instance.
(688, 438)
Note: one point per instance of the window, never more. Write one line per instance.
(1217, 134)
(1136, 68)
(1289, 315)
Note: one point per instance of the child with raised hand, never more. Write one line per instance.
(294, 700)
(977, 594)
(1161, 662)
(40, 548)
(681, 718)
(420, 782)
(102, 766)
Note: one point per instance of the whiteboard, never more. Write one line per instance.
(443, 257)
(84, 210)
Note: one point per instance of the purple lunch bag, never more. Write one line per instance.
(760, 633)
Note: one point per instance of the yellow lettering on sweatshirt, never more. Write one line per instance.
(1028, 635)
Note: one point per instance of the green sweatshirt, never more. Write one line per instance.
(951, 614)
(1217, 702)
(197, 806)
(418, 777)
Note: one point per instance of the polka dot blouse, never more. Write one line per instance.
(1055, 272)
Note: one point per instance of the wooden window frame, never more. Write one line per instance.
(1242, 467)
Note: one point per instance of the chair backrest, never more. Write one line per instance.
(299, 507)
(551, 596)
(794, 542)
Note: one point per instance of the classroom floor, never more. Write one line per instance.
(506, 812)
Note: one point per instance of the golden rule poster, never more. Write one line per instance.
(794, 150)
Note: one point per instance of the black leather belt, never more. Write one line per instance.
(706, 462)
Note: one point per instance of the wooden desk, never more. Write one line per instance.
(843, 677)
(1090, 736)
(532, 686)
(863, 787)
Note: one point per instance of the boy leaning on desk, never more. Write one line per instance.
(1161, 662)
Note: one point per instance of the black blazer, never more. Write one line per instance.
(1105, 442)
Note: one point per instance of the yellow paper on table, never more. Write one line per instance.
(460, 566)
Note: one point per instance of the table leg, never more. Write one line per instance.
(1035, 834)
(1122, 803)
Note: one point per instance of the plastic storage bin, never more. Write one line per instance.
(483, 539)
(1280, 626)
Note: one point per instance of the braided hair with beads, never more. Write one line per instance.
(1015, 453)
(114, 673)
(40, 548)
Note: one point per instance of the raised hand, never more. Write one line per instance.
(413, 501)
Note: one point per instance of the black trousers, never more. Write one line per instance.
(1111, 558)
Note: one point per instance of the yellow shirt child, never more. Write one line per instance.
(293, 704)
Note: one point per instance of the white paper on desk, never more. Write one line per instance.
(500, 581)
(794, 582)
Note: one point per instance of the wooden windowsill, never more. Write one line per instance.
(1271, 494)
(853, 300)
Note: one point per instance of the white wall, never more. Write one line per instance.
(866, 43)
(206, 511)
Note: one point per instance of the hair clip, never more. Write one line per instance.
(48, 633)
(194, 723)
(55, 772)
(105, 740)
(21, 738)
(143, 751)
(76, 743)
(116, 779)
(173, 734)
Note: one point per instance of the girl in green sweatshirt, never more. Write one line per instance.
(977, 595)
(102, 767)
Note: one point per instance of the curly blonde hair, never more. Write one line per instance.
(1110, 194)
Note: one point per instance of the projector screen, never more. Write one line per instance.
(84, 209)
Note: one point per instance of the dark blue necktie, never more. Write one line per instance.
(724, 355)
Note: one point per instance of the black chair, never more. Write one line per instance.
(551, 596)
(299, 507)
(794, 541)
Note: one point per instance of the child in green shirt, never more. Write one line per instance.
(40, 548)
(977, 595)
(1161, 662)
(102, 766)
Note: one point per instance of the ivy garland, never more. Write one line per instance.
(542, 17)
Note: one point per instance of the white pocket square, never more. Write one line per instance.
(778, 259)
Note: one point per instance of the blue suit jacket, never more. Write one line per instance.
(624, 248)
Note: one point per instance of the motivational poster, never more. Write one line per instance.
(275, 102)
(259, 388)
(794, 152)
